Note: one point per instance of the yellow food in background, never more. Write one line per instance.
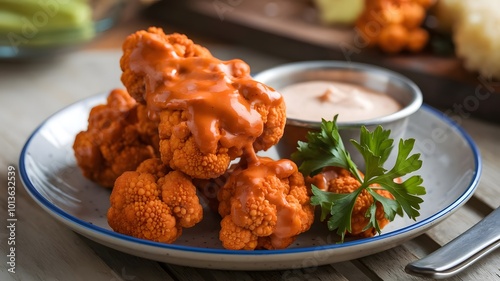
(474, 28)
(339, 11)
(45, 22)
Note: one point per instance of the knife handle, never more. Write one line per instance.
(458, 254)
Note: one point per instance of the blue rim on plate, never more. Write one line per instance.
(42, 201)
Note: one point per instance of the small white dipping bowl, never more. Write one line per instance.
(378, 79)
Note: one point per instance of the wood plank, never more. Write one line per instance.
(421, 245)
(486, 136)
(38, 257)
(389, 265)
(354, 270)
(326, 273)
(126, 266)
(454, 225)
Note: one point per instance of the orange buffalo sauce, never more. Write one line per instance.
(219, 96)
(288, 222)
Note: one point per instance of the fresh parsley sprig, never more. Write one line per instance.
(325, 148)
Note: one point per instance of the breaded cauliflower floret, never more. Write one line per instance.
(273, 117)
(163, 46)
(136, 209)
(338, 180)
(264, 205)
(209, 111)
(179, 193)
(147, 128)
(398, 25)
(153, 203)
(236, 237)
(118, 138)
(179, 150)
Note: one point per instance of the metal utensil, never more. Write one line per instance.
(470, 246)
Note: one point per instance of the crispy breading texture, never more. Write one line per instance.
(178, 45)
(190, 114)
(153, 203)
(157, 67)
(344, 182)
(274, 119)
(178, 147)
(394, 25)
(264, 206)
(118, 138)
(179, 150)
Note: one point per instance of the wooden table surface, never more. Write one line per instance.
(47, 250)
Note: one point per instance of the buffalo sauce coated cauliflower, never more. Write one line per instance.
(273, 117)
(162, 46)
(338, 180)
(209, 111)
(190, 114)
(394, 25)
(264, 204)
(153, 203)
(118, 138)
(180, 151)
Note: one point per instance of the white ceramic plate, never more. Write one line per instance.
(451, 172)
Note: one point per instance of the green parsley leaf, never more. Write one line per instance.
(375, 148)
(325, 149)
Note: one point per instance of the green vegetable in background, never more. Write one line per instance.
(45, 22)
(325, 148)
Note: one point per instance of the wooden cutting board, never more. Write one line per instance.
(290, 29)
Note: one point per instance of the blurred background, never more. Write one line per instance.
(448, 47)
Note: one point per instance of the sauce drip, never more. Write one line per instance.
(323, 179)
(219, 96)
(288, 221)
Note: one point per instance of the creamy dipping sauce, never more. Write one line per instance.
(314, 100)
